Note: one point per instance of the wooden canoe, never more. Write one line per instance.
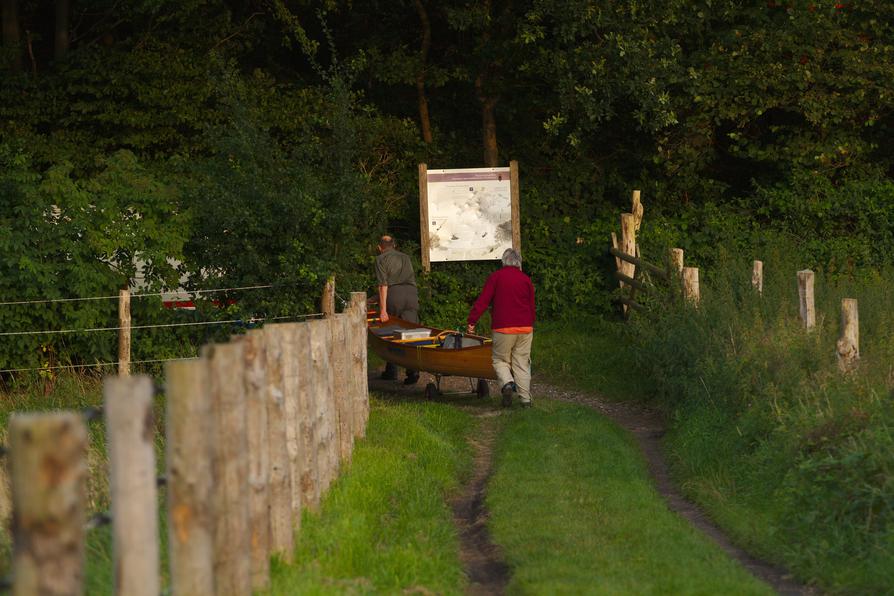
(471, 358)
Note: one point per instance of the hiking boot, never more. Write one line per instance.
(507, 391)
(390, 373)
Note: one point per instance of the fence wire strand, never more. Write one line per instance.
(146, 295)
(101, 364)
(157, 326)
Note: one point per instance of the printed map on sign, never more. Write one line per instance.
(469, 214)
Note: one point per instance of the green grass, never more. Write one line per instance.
(793, 459)
(385, 527)
(574, 510)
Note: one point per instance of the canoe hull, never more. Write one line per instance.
(472, 361)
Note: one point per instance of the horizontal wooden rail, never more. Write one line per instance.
(632, 304)
(653, 269)
(632, 282)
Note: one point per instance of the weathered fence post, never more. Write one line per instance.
(291, 388)
(849, 342)
(48, 466)
(636, 209)
(691, 291)
(338, 361)
(258, 456)
(130, 435)
(280, 474)
(757, 277)
(124, 332)
(676, 261)
(310, 421)
(628, 242)
(327, 454)
(232, 562)
(359, 363)
(327, 302)
(189, 477)
(805, 295)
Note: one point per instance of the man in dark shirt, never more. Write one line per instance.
(512, 321)
(397, 294)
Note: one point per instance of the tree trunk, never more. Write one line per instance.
(63, 41)
(12, 38)
(488, 123)
(424, 120)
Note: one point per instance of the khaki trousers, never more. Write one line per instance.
(512, 361)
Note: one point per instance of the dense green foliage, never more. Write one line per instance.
(791, 456)
(272, 142)
(575, 512)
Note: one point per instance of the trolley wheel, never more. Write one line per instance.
(483, 389)
(431, 391)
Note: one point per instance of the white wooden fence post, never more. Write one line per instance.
(130, 432)
(805, 295)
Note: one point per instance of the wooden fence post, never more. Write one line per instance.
(327, 454)
(805, 295)
(327, 302)
(130, 436)
(258, 456)
(849, 342)
(309, 421)
(232, 563)
(290, 372)
(628, 242)
(636, 209)
(48, 466)
(124, 332)
(359, 363)
(757, 277)
(282, 533)
(338, 361)
(189, 477)
(690, 285)
(676, 261)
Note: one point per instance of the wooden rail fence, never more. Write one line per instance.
(256, 430)
(635, 274)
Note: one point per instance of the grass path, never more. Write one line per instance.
(575, 512)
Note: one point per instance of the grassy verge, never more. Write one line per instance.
(384, 526)
(793, 459)
(76, 392)
(575, 512)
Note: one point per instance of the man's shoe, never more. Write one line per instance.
(390, 372)
(507, 391)
(526, 404)
(411, 380)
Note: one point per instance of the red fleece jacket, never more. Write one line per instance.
(512, 295)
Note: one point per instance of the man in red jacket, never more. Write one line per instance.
(512, 320)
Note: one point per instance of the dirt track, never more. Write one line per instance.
(487, 572)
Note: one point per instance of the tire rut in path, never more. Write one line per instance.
(647, 428)
(481, 558)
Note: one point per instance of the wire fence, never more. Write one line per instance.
(225, 410)
(144, 295)
(127, 328)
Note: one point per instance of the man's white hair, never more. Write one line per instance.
(511, 258)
